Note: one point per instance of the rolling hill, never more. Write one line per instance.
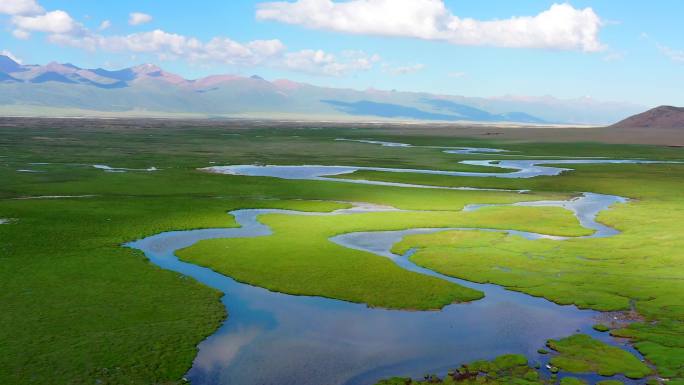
(659, 117)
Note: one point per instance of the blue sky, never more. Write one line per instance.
(609, 49)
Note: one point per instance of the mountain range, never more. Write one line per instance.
(66, 89)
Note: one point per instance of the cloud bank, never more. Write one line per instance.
(28, 17)
(20, 7)
(560, 27)
(320, 62)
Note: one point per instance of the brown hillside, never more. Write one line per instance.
(659, 117)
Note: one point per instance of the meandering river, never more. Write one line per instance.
(275, 338)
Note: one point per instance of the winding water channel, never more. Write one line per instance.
(275, 338)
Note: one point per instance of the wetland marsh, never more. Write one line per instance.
(443, 264)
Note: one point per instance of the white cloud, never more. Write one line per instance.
(402, 70)
(171, 46)
(106, 24)
(225, 50)
(456, 74)
(168, 46)
(222, 50)
(10, 55)
(21, 35)
(20, 7)
(319, 62)
(676, 55)
(560, 27)
(137, 18)
(58, 22)
(156, 41)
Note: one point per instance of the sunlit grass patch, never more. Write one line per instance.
(299, 258)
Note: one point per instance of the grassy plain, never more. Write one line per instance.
(78, 308)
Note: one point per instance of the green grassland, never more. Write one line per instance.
(79, 308)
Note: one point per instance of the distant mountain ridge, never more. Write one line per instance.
(659, 117)
(58, 87)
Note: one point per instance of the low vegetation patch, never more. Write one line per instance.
(572, 381)
(601, 328)
(580, 353)
(507, 369)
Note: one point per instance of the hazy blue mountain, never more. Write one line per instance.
(467, 112)
(8, 65)
(520, 117)
(475, 114)
(124, 75)
(7, 78)
(454, 111)
(387, 110)
(65, 89)
(51, 77)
